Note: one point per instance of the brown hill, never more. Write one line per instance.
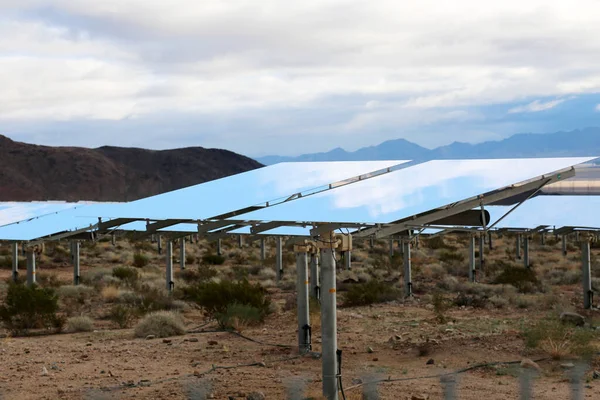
(32, 172)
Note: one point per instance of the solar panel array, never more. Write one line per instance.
(297, 194)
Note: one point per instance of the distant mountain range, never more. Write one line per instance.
(30, 172)
(584, 142)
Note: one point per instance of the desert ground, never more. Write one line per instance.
(408, 344)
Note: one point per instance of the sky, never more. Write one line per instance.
(277, 77)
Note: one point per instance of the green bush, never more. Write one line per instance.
(126, 274)
(160, 324)
(47, 280)
(524, 279)
(215, 297)
(121, 315)
(201, 274)
(374, 291)
(29, 307)
(140, 260)
(74, 297)
(471, 300)
(150, 298)
(238, 316)
(80, 324)
(560, 340)
(440, 306)
(213, 259)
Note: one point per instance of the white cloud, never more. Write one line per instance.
(74, 60)
(598, 107)
(536, 106)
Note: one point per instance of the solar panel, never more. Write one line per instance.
(410, 191)
(551, 210)
(259, 188)
(11, 212)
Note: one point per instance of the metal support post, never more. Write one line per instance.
(518, 246)
(481, 252)
(159, 241)
(263, 252)
(564, 245)
(75, 246)
(30, 267)
(302, 286)
(348, 260)
(588, 294)
(279, 258)
(113, 239)
(407, 269)
(329, 325)
(371, 242)
(472, 272)
(219, 247)
(170, 283)
(241, 241)
(543, 238)
(182, 254)
(491, 245)
(526, 252)
(391, 247)
(577, 237)
(15, 261)
(314, 276)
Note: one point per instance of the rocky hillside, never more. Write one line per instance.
(32, 172)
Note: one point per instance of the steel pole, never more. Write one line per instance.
(76, 262)
(15, 261)
(302, 289)
(170, 283)
(329, 325)
(182, 254)
(472, 271)
(314, 276)
(407, 270)
(279, 258)
(30, 267)
(588, 294)
(526, 252)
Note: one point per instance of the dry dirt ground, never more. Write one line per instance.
(392, 340)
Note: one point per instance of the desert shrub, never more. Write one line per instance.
(213, 259)
(201, 274)
(74, 297)
(215, 297)
(374, 291)
(451, 257)
(140, 260)
(471, 300)
(152, 298)
(47, 280)
(29, 307)
(110, 294)
(523, 302)
(499, 301)
(160, 324)
(440, 306)
(126, 274)
(96, 276)
(121, 315)
(448, 283)
(240, 273)
(80, 324)
(560, 340)
(6, 262)
(524, 279)
(239, 316)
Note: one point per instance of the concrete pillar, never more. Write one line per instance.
(348, 260)
(490, 239)
(481, 253)
(240, 241)
(75, 245)
(182, 254)
(329, 325)
(518, 246)
(314, 276)
(15, 261)
(279, 258)
(472, 271)
(263, 251)
(564, 245)
(30, 267)
(302, 289)
(219, 247)
(159, 241)
(391, 247)
(407, 270)
(170, 283)
(526, 252)
(588, 294)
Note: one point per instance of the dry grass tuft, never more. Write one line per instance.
(110, 294)
(80, 324)
(160, 324)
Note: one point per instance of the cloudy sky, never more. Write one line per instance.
(279, 77)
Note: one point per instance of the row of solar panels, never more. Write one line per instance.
(291, 198)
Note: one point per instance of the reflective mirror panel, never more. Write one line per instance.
(556, 211)
(11, 212)
(412, 190)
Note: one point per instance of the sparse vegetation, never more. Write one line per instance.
(160, 324)
(140, 260)
(363, 294)
(30, 307)
(80, 324)
(121, 315)
(213, 259)
(127, 275)
(524, 279)
(560, 340)
(239, 316)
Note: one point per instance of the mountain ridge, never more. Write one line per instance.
(580, 142)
